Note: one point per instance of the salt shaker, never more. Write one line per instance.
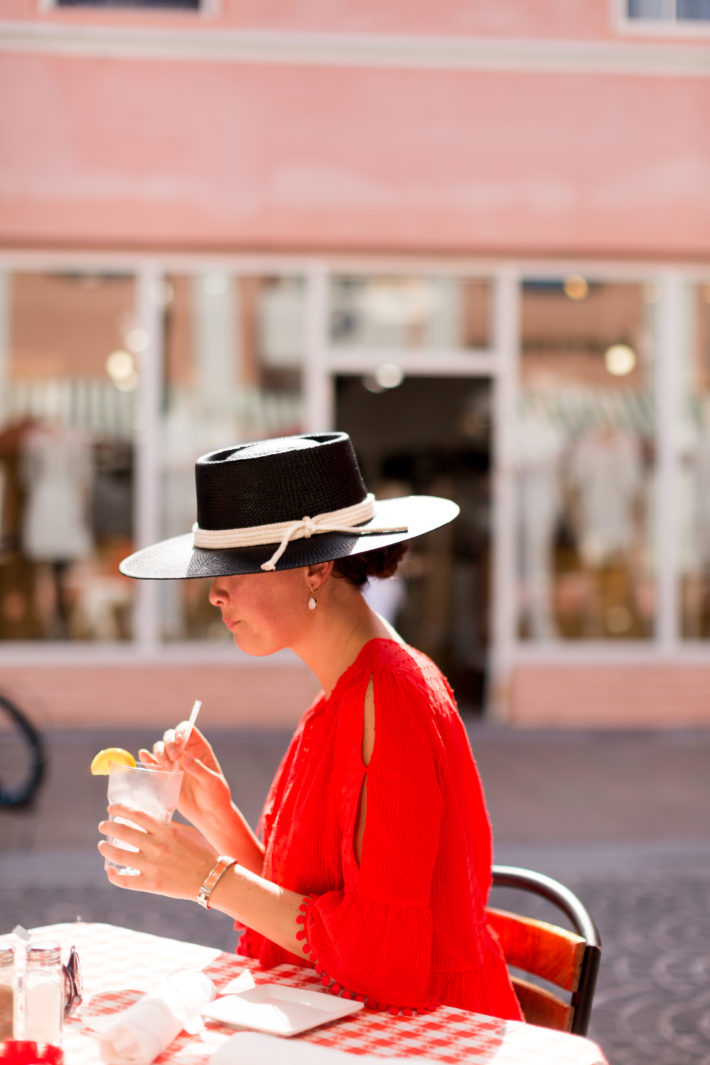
(44, 994)
(8, 992)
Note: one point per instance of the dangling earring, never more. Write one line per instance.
(312, 604)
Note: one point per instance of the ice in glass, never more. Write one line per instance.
(146, 788)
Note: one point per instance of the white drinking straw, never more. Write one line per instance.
(190, 722)
(192, 718)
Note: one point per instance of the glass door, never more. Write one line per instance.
(431, 436)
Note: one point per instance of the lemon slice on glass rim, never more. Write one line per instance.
(101, 763)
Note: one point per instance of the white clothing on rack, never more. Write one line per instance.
(606, 470)
(57, 472)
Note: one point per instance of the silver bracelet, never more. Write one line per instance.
(212, 879)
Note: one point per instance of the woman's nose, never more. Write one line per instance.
(217, 593)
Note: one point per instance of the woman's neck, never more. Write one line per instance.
(344, 623)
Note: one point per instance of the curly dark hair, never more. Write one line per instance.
(381, 562)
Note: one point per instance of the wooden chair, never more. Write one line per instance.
(567, 960)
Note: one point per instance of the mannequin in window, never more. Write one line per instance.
(694, 522)
(539, 449)
(606, 477)
(56, 532)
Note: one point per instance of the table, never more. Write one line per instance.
(119, 964)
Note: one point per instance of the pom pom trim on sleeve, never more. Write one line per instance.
(331, 985)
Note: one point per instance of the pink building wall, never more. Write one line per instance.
(155, 696)
(139, 149)
(159, 695)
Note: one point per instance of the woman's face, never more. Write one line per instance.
(265, 612)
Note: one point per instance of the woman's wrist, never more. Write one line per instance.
(210, 882)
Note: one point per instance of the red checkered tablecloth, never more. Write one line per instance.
(119, 965)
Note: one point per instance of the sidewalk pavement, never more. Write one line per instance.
(622, 817)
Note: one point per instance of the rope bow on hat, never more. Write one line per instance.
(346, 520)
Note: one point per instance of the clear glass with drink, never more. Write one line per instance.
(144, 787)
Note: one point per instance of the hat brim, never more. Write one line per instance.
(178, 558)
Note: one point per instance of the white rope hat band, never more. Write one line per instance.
(347, 520)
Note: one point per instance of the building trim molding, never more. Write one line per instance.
(198, 44)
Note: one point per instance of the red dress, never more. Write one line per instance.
(406, 928)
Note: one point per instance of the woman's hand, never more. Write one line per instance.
(172, 859)
(205, 798)
(204, 795)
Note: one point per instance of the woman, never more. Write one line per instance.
(375, 858)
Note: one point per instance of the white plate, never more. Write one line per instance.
(278, 1009)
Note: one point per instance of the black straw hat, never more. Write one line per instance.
(282, 503)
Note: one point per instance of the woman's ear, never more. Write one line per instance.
(318, 573)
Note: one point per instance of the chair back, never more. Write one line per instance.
(567, 960)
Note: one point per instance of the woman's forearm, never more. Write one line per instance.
(259, 904)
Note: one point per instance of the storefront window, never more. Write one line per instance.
(427, 313)
(67, 406)
(693, 490)
(234, 355)
(585, 461)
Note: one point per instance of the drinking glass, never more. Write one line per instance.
(147, 788)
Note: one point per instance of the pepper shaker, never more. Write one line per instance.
(8, 993)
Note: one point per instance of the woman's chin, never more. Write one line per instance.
(253, 648)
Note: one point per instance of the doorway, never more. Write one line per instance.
(432, 435)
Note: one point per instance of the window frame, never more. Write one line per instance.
(206, 9)
(665, 26)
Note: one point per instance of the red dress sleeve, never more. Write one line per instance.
(374, 937)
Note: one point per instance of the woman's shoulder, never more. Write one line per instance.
(382, 653)
(400, 668)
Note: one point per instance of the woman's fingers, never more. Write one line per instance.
(175, 743)
(115, 855)
(118, 855)
(139, 821)
(169, 749)
(195, 742)
(182, 732)
(159, 757)
(124, 880)
(169, 739)
(132, 827)
(147, 757)
(170, 859)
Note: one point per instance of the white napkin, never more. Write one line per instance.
(253, 1048)
(143, 1031)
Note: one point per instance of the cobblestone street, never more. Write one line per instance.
(621, 818)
